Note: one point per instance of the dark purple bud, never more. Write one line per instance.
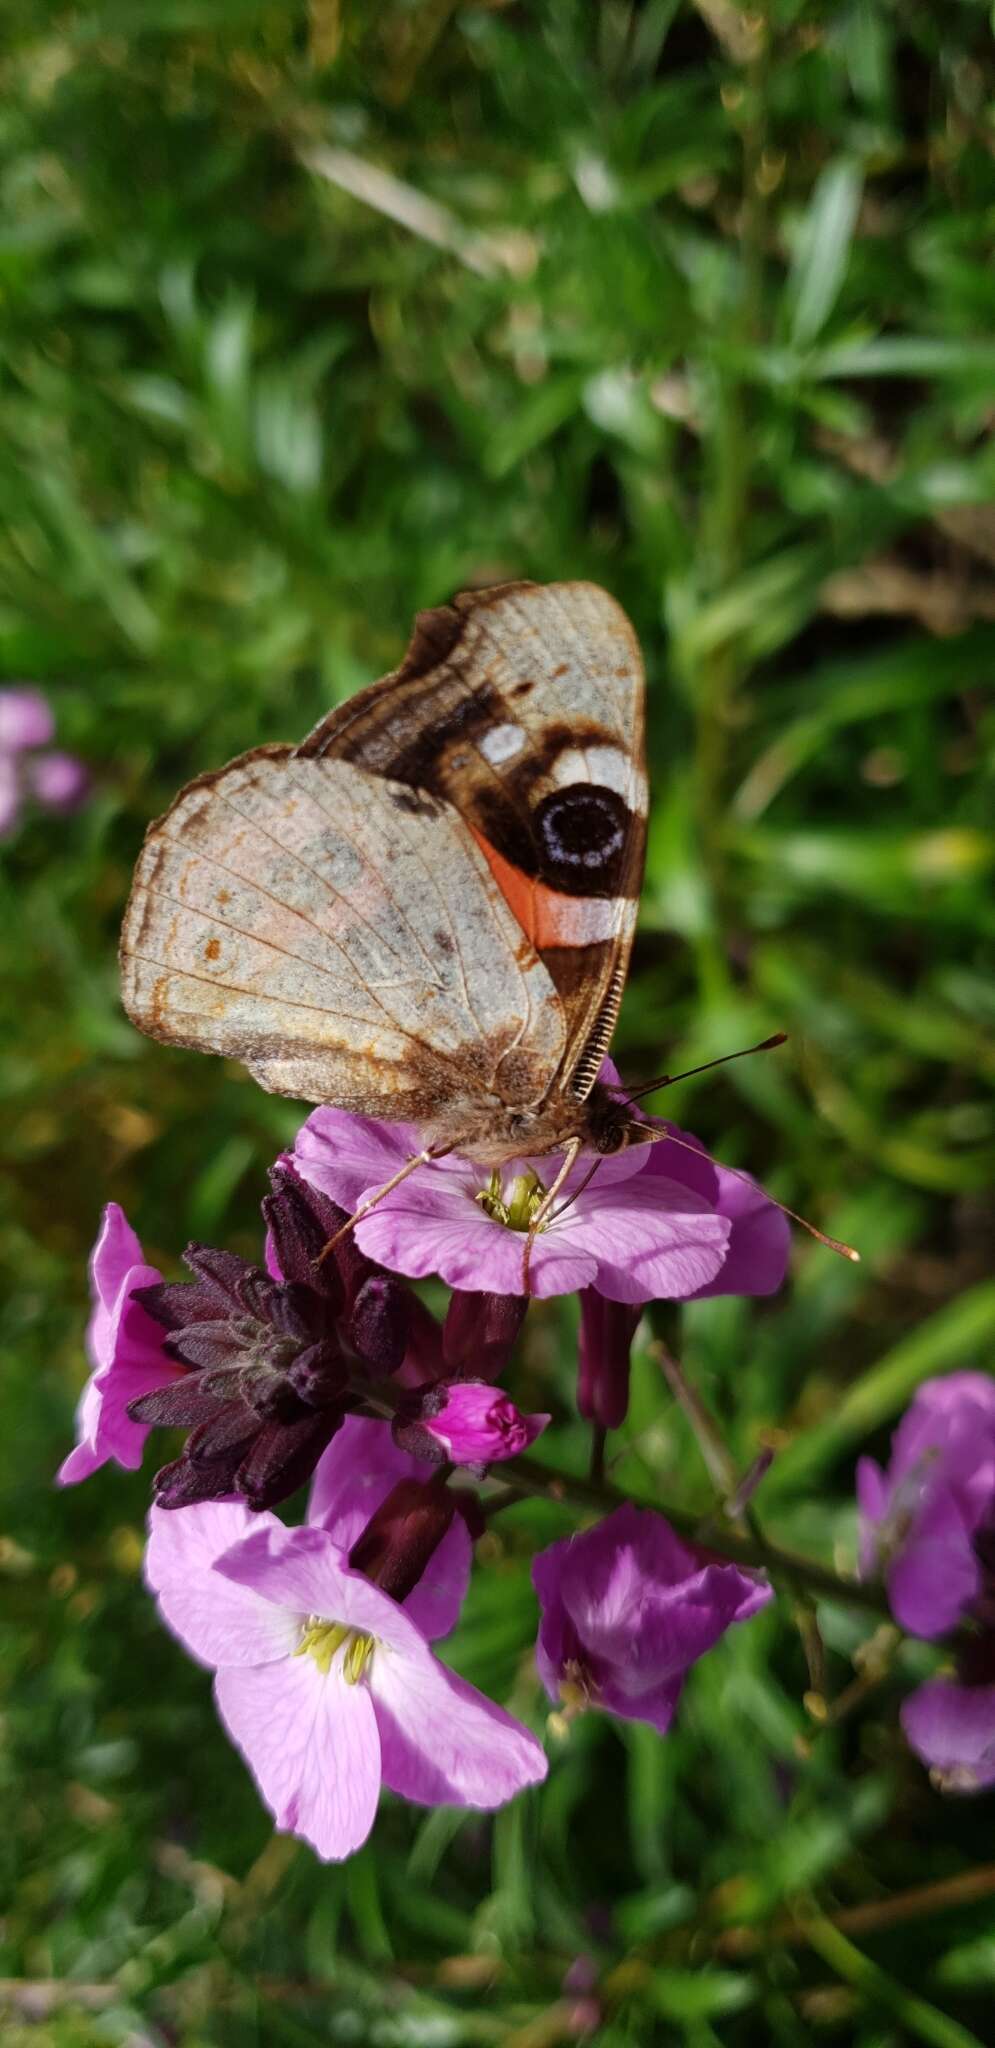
(222, 1275)
(377, 1328)
(182, 1405)
(207, 1346)
(606, 1332)
(301, 1222)
(283, 1456)
(480, 1333)
(423, 1359)
(405, 1532)
(319, 1375)
(228, 1434)
(181, 1484)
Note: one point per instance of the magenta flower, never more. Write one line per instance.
(927, 1522)
(325, 1683)
(57, 780)
(126, 1352)
(636, 1232)
(756, 1254)
(25, 719)
(627, 1608)
(951, 1727)
(467, 1422)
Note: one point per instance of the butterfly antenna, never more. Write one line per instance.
(833, 1244)
(669, 1080)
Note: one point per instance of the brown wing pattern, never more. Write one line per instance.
(523, 707)
(342, 938)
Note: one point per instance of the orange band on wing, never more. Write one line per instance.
(548, 918)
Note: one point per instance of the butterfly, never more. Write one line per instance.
(424, 912)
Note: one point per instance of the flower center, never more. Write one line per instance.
(320, 1639)
(514, 1205)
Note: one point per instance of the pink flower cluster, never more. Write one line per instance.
(29, 765)
(330, 1368)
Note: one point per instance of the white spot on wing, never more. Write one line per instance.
(501, 743)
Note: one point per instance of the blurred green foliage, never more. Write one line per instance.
(311, 315)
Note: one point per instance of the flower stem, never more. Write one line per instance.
(531, 1479)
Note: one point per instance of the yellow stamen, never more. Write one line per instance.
(516, 1206)
(320, 1640)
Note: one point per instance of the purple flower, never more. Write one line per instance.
(646, 1226)
(627, 1608)
(25, 719)
(467, 1422)
(756, 1254)
(951, 1727)
(59, 781)
(927, 1522)
(323, 1681)
(126, 1352)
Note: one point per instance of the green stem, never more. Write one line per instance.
(531, 1479)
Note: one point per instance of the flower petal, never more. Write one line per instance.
(952, 1728)
(652, 1239)
(310, 1741)
(303, 1570)
(217, 1620)
(422, 1229)
(346, 1155)
(442, 1742)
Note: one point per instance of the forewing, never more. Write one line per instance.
(339, 936)
(523, 706)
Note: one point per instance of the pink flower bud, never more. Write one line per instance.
(25, 720)
(471, 1423)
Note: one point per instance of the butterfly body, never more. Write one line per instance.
(425, 912)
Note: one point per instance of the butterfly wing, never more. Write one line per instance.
(341, 936)
(523, 707)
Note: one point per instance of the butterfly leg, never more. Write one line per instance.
(571, 1152)
(420, 1159)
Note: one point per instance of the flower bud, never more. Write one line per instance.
(467, 1422)
(406, 1530)
(606, 1332)
(480, 1332)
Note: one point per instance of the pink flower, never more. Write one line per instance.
(25, 719)
(468, 1422)
(923, 1521)
(951, 1727)
(59, 781)
(627, 1608)
(326, 1685)
(126, 1352)
(634, 1234)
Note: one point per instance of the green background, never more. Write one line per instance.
(698, 303)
